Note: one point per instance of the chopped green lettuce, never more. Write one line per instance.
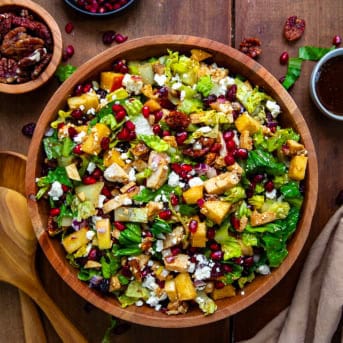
(64, 71)
(190, 106)
(133, 107)
(280, 208)
(136, 290)
(234, 194)
(204, 85)
(206, 304)
(154, 142)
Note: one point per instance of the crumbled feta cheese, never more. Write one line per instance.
(272, 194)
(91, 167)
(49, 132)
(79, 137)
(235, 138)
(159, 245)
(90, 235)
(263, 269)
(191, 267)
(139, 303)
(202, 273)
(101, 200)
(160, 79)
(195, 181)
(91, 111)
(56, 190)
(132, 174)
(127, 201)
(176, 85)
(182, 95)
(273, 107)
(95, 219)
(103, 102)
(173, 179)
(227, 81)
(197, 146)
(82, 107)
(142, 126)
(205, 129)
(149, 282)
(166, 252)
(124, 156)
(133, 83)
(88, 249)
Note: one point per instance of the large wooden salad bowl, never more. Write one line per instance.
(237, 63)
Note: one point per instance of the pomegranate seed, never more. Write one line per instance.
(158, 116)
(145, 111)
(214, 246)
(200, 202)
(186, 168)
(229, 160)
(86, 88)
(93, 255)
(235, 222)
(269, 186)
(228, 135)
(227, 268)
(166, 133)
(124, 134)
(284, 58)
(77, 114)
(238, 260)
(106, 192)
(120, 115)
(69, 28)
(231, 93)
(119, 38)
(175, 250)
(65, 188)
(108, 37)
(78, 90)
(176, 168)
(77, 149)
(216, 147)
(119, 226)
(88, 180)
(105, 143)
(69, 51)
(170, 259)
(72, 132)
(230, 145)
(181, 137)
(130, 125)
(132, 135)
(156, 129)
(60, 126)
(193, 226)
(54, 212)
(241, 153)
(117, 108)
(216, 255)
(258, 178)
(148, 234)
(97, 173)
(174, 200)
(248, 261)
(336, 41)
(165, 214)
(210, 233)
(219, 284)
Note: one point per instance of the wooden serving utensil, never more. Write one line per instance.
(17, 261)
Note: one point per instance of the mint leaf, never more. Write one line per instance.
(64, 71)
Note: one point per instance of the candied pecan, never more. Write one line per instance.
(5, 24)
(177, 120)
(251, 47)
(135, 269)
(206, 141)
(140, 150)
(35, 57)
(294, 28)
(210, 158)
(196, 153)
(40, 66)
(36, 27)
(8, 70)
(18, 42)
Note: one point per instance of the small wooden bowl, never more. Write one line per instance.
(45, 17)
(141, 49)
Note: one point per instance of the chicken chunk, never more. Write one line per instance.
(174, 238)
(158, 163)
(178, 263)
(221, 183)
(115, 173)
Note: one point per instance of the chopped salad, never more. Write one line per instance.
(171, 183)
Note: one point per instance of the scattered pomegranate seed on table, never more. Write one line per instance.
(336, 41)
(69, 27)
(284, 58)
(28, 129)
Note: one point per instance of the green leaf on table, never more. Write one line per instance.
(293, 72)
(64, 71)
(313, 53)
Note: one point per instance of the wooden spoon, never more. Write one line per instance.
(17, 261)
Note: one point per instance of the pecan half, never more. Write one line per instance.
(8, 70)
(251, 47)
(294, 28)
(41, 66)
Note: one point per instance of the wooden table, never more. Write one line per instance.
(227, 21)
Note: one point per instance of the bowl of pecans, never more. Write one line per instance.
(30, 46)
(177, 182)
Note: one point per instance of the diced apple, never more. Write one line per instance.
(90, 192)
(92, 143)
(90, 264)
(184, 287)
(103, 231)
(72, 172)
(216, 210)
(193, 194)
(221, 183)
(87, 100)
(297, 167)
(131, 214)
(198, 238)
(75, 240)
(225, 292)
(170, 289)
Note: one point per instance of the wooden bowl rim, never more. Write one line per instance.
(261, 285)
(49, 71)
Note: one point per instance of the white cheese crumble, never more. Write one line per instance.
(91, 111)
(202, 273)
(127, 201)
(101, 200)
(56, 190)
(197, 146)
(176, 85)
(142, 126)
(195, 181)
(79, 137)
(91, 167)
(132, 174)
(149, 283)
(160, 79)
(263, 269)
(133, 83)
(139, 303)
(88, 249)
(273, 107)
(173, 179)
(271, 195)
(90, 235)
(159, 245)
(205, 129)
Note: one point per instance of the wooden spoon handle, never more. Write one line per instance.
(33, 328)
(64, 328)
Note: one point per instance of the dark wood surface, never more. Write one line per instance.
(225, 21)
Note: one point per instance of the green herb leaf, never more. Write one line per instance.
(188, 210)
(160, 226)
(313, 53)
(293, 72)
(64, 71)
(107, 336)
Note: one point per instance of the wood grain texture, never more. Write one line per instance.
(265, 19)
(142, 49)
(49, 71)
(17, 260)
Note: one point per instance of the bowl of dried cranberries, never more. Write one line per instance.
(99, 8)
(171, 181)
(31, 46)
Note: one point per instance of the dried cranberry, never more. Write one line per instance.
(216, 255)
(105, 143)
(235, 222)
(210, 233)
(119, 226)
(200, 202)
(124, 134)
(231, 93)
(156, 129)
(77, 113)
(72, 132)
(269, 186)
(28, 129)
(294, 28)
(181, 137)
(77, 149)
(219, 284)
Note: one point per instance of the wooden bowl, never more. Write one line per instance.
(45, 17)
(141, 49)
